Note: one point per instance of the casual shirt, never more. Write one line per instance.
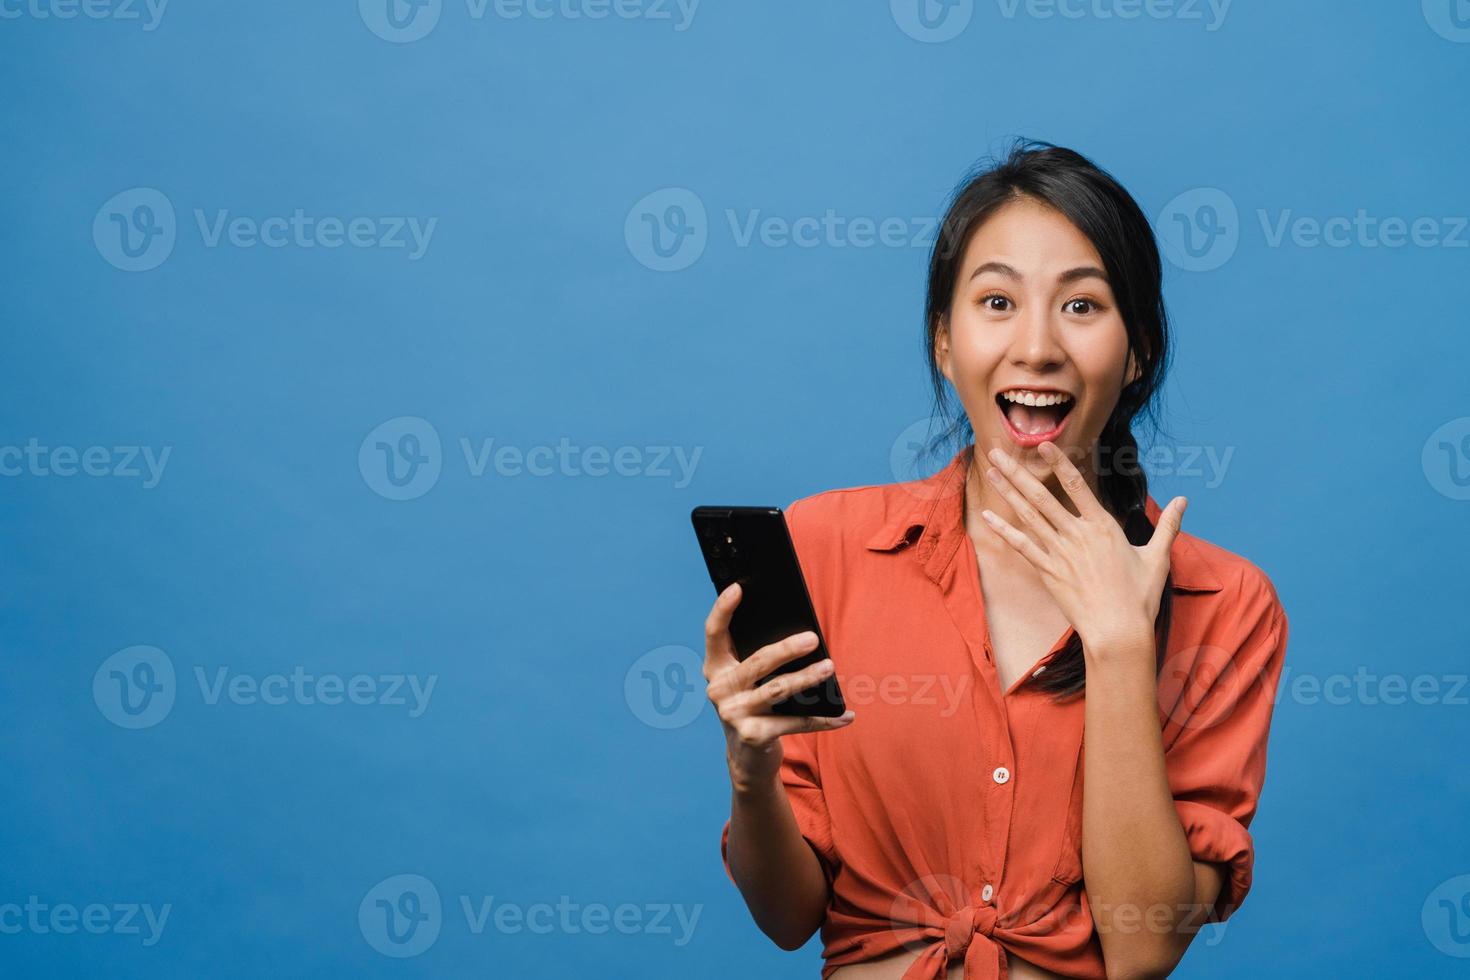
(948, 817)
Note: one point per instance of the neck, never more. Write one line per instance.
(981, 494)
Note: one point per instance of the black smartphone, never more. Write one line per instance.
(752, 546)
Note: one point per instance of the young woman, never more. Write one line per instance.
(1024, 624)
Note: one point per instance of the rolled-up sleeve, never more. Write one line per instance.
(804, 791)
(1217, 762)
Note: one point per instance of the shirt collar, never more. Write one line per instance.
(924, 512)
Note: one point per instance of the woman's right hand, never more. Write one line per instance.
(752, 732)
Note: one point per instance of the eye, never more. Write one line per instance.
(1082, 306)
(995, 302)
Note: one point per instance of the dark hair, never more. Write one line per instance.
(1102, 210)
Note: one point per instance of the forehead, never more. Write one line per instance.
(1032, 237)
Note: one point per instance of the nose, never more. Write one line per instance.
(1036, 345)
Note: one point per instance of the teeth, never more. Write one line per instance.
(1034, 398)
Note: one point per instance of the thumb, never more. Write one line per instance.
(1167, 529)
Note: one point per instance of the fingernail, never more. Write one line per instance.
(993, 474)
(825, 667)
(808, 639)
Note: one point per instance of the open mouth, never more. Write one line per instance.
(1034, 415)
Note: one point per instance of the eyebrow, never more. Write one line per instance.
(1070, 276)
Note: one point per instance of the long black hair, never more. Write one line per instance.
(1102, 210)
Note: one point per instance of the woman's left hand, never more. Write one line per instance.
(1108, 588)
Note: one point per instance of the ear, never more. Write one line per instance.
(942, 355)
(1134, 371)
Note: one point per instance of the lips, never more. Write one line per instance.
(1034, 415)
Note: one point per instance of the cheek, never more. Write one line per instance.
(1102, 360)
(976, 350)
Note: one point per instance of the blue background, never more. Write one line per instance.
(534, 316)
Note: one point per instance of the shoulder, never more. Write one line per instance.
(1242, 597)
(850, 517)
(845, 506)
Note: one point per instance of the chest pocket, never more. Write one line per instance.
(1069, 860)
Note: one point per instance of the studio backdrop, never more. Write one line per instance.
(364, 360)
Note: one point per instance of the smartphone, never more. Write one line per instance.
(752, 546)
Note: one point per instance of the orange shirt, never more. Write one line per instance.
(948, 816)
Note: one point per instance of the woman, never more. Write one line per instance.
(1024, 623)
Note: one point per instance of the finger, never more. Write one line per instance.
(719, 648)
(1049, 513)
(763, 729)
(1025, 513)
(1171, 519)
(773, 655)
(783, 686)
(1073, 483)
(1023, 543)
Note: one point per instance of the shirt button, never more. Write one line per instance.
(1002, 774)
(986, 893)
